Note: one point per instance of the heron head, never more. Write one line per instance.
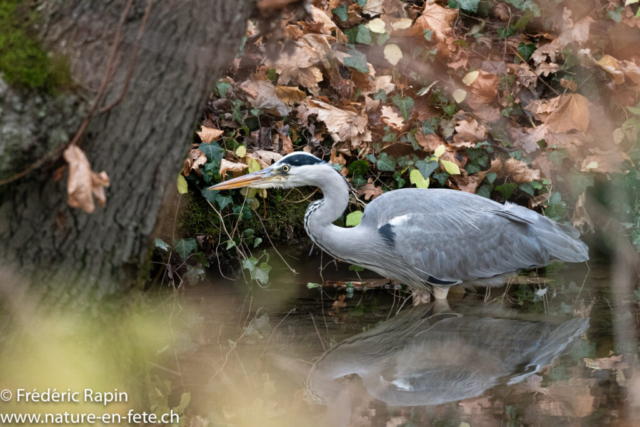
(293, 170)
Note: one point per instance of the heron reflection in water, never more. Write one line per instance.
(430, 355)
(423, 238)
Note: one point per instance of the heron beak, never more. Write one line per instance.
(244, 181)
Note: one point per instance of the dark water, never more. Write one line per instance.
(555, 348)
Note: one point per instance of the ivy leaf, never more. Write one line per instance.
(427, 168)
(579, 182)
(355, 268)
(418, 180)
(161, 244)
(490, 177)
(362, 3)
(450, 167)
(212, 150)
(381, 95)
(261, 274)
(364, 35)
(404, 104)
(354, 218)
(223, 201)
(223, 88)
(386, 163)
(557, 156)
(357, 60)
(185, 247)
(528, 188)
(427, 34)
(526, 50)
(485, 191)
(341, 12)
(183, 187)
(471, 5)
(507, 189)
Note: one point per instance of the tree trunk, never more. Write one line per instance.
(140, 143)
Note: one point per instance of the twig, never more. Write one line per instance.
(274, 330)
(317, 331)
(274, 246)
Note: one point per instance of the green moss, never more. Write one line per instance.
(22, 60)
(283, 218)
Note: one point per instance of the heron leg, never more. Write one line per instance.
(440, 292)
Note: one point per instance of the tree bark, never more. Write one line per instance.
(140, 143)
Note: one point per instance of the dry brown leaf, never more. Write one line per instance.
(468, 132)
(209, 134)
(290, 94)
(265, 158)
(343, 125)
(194, 160)
(429, 143)
(519, 171)
(544, 69)
(578, 33)
(320, 16)
(434, 18)
(606, 162)
(84, 184)
(369, 190)
(226, 166)
(303, 65)
(373, 7)
(569, 84)
(262, 94)
(391, 118)
(467, 183)
(483, 90)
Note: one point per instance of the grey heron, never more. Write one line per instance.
(423, 238)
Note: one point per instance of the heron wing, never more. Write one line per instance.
(448, 236)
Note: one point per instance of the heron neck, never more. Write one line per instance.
(335, 201)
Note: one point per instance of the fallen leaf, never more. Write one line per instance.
(377, 26)
(571, 33)
(209, 134)
(262, 94)
(264, 158)
(429, 143)
(343, 125)
(227, 166)
(459, 95)
(569, 84)
(369, 190)
(519, 172)
(484, 89)
(194, 160)
(84, 184)
(391, 118)
(392, 53)
(437, 19)
(468, 132)
(290, 95)
(470, 77)
(373, 7)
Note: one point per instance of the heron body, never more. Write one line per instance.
(424, 238)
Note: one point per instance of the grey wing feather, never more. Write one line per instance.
(452, 236)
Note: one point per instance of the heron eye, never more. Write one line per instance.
(285, 168)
